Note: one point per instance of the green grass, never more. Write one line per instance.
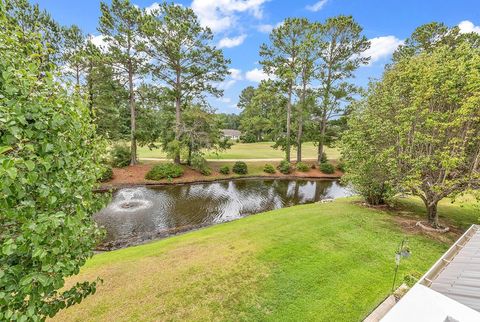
(461, 213)
(261, 150)
(317, 262)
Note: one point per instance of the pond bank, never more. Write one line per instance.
(135, 175)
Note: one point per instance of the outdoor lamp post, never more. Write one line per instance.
(403, 251)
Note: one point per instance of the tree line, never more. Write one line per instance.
(310, 67)
(148, 78)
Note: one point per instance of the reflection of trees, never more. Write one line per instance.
(321, 188)
(177, 206)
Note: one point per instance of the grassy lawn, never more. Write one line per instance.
(322, 262)
(261, 150)
(462, 213)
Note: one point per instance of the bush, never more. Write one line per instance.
(302, 167)
(285, 167)
(327, 168)
(107, 174)
(199, 163)
(120, 156)
(324, 158)
(50, 165)
(268, 168)
(224, 169)
(164, 170)
(341, 166)
(240, 167)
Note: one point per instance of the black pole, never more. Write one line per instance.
(397, 263)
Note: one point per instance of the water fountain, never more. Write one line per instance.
(130, 200)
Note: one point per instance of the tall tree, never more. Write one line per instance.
(31, 19)
(307, 58)
(74, 54)
(183, 59)
(120, 24)
(262, 116)
(229, 121)
(425, 117)
(201, 130)
(282, 59)
(341, 45)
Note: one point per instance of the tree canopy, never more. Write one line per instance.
(49, 157)
(418, 131)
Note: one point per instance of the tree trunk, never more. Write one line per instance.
(133, 142)
(77, 79)
(301, 106)
(299, 135)
(289, 112)
(178, 117)
(432, 214)
(321, 140)
(189, 159)
(90, 91)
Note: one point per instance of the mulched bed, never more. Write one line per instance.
(135, 175)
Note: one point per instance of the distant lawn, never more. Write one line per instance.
(316, 262)
(261, 150)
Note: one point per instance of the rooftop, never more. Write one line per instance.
(450, 290)
(230, 132)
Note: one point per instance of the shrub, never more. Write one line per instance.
(199, 163)
(341, 166)
(327, 168)
(224, 169)
(302, 167)
(240, 167)
(285, 167)
(50, 164)
(120, 156)
(164, 170)
(268, 168)
(107, 174)
(324, 158)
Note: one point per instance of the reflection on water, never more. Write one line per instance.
(137, 214)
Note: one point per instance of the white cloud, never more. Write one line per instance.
(220, 15)
(99, 41)
(235, 73)
(267, 28)
(317, 6)
(381, 47)
(153, 6)
(256, 75)
(231, 42)
(226, 84)
(468, 26)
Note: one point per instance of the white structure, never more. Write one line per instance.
(231, 134)
(449, 291)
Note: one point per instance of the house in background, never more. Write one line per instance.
(231, 134)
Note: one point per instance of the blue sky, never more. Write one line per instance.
(240, 26)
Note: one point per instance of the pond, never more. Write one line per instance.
(136, 215)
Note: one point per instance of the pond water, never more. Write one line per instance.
(139, 214)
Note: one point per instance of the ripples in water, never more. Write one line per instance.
(139, 214)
